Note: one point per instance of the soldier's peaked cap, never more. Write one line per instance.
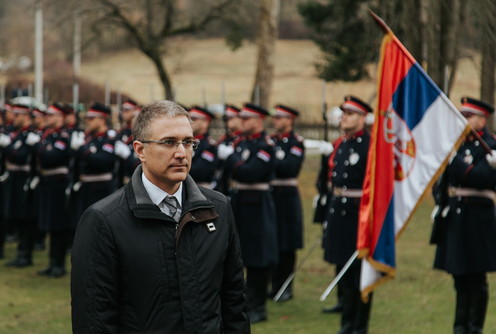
(353, 103)
(55, 108)
(282, 110)
(253, 109)
(98, 110)
(232, 110)
(478, 107)
(201, 112)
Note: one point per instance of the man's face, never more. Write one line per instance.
(128, 114)
(166, 167)
(54, 120)
(94, 124)
(200, 125)
(477, 122)
(250, 124)
(281, 124)
(352, 121)
(234, 124)
(20, 119)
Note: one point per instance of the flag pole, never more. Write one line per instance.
(339, 276)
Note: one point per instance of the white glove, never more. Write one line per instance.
(32, 139)
(335, 116)
(491, 158)
(77, 140)
(122, 150)
(326, 148)
(224, 151)
(4, 140)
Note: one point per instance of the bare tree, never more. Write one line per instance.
(151, 23)
(487, 11)
(267, 36)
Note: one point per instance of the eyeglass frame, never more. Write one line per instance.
(166, 143)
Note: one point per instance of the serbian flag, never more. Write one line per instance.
(415, 129)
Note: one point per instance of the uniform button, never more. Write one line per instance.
(285, 140)
(346, 162)
(339, 151)
(458, 210)
(334, 173)
(467, 152)
(359, 139)
(238, 149)
(331, 210)
(345, 175)
(352, 150)
(343, 200)
(343, 213)
(476, 143)
(458, 198)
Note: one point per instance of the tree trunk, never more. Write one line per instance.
(267, 36)
(163, 75)
(488, 50)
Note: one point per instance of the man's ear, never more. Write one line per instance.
(139, 148)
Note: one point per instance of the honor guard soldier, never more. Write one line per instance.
(225, 147)
(346, 172)
(95, 157)
(204, 160)
(252, 169)
(466, 233)
(289, 157)
(18, 195)
(124, 142)
(52, 157)
(4, 141)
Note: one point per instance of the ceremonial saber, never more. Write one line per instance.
(292, 275)
(338, 277)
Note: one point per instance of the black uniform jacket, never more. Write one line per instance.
(253, 163)
(347, 167)
(289, 157)
(467, 243)
(134, 270)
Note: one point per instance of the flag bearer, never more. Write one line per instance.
(347, 165)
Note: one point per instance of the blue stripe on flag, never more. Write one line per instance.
(385, 248)
(414, 95)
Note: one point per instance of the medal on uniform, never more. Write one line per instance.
(245, 155)
(468, 159)
(354, 157)
(280, 154)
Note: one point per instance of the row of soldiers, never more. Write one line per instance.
(52, 171)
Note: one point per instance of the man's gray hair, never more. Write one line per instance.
(152, 111)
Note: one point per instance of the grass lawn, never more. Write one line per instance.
(420, 300)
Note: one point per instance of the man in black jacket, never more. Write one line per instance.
(160, 254)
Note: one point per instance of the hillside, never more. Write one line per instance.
(199, 66)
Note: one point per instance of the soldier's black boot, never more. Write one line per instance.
(256, 285)
(461, 312)
(361, 324)
(281, 273)
(23, 259)
(349, 309)
(478, 304)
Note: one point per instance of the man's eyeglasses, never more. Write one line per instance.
(171, 143)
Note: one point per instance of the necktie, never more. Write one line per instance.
(173, 205)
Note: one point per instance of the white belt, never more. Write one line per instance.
(55, 171)
(251, 186)
(17, 168)
(285, 182)
(345, 192)
(470, 192)
(96, 177)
